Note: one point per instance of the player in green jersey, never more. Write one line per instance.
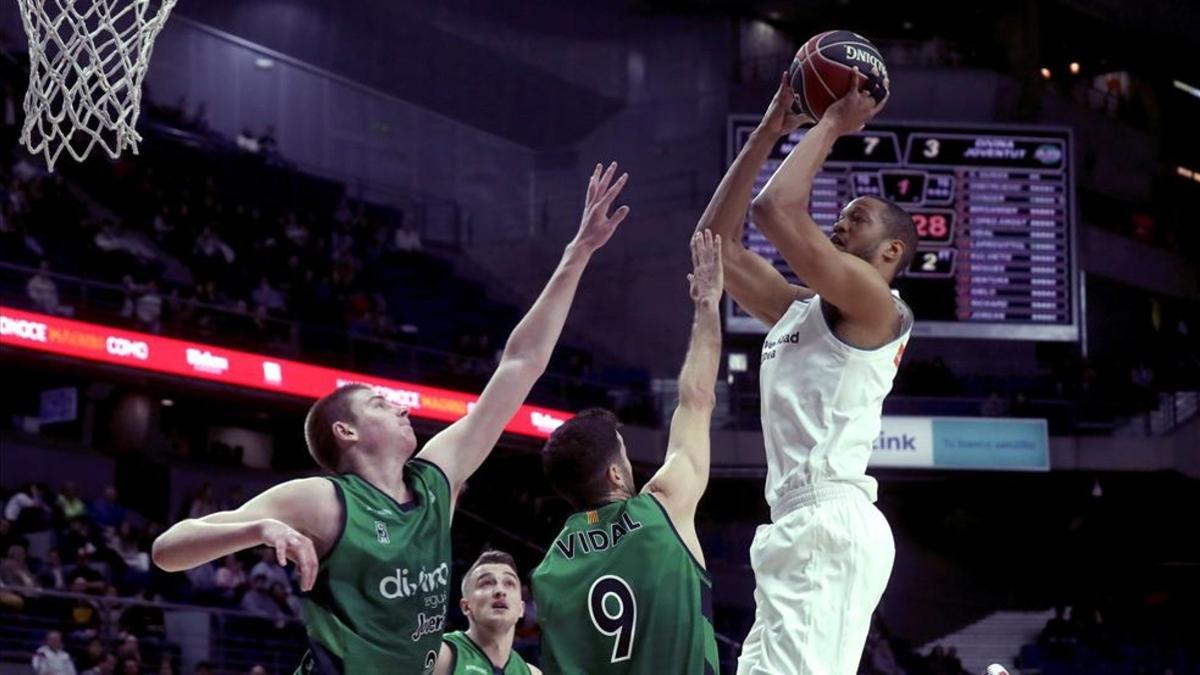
(623, 587)
(372, 542)
(491, 599)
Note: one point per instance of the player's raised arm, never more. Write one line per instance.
(288, 517)
(752, 281)
(681, 481)
(781, 212)
(462, 447)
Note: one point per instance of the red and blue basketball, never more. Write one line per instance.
(823, 70)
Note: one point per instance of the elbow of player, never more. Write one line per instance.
(766, 211)
(160, 555)
(525, 360)
(696, 397)
(165, 556)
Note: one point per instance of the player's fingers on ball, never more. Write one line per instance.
(280, 553)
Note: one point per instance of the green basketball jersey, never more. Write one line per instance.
(469, 658)
(380, 597)
(619, 593)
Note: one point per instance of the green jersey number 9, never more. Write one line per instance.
(614, 613)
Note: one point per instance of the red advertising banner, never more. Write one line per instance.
(94, 342)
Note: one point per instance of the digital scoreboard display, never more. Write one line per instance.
(994, 210)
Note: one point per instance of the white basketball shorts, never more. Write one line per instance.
(819, 570)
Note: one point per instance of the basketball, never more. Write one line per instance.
(996, 669)
(823, 70)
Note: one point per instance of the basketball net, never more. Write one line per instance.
(87, 59)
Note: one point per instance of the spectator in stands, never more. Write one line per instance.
(82, 616)
(1060, 635)
(231, 577)
(53, 577)
(9, 535)
(166, 666)
(258, 669)
(406, 240)
(288, 605)
(69, 504)
(129, 648)
(143, 619)
(110, 614)
(247, 142)
(202, 583)
(266, 297)
(148, 308)
(14, 570)
(203, 668)
(27, 509)
(268, 566)
(85, 576)
(43, 292)
(213, 250)
(51, 658)
(267, 142)
(94, 653)
(235, 499)
(77, 537)
(130, 666)
(125, 541)
(107, 510)
(257, 599)
(204, 503)
(106, 665)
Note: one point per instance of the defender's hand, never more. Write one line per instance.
(291, 545)
(707, 279)
(597, 226)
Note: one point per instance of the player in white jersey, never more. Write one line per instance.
(828, 362)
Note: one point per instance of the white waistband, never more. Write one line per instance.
(814, 493)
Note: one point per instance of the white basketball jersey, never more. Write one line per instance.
(822, 401)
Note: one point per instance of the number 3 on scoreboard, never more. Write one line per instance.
(620, 623)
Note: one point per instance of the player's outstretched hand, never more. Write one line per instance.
(291, 545)
(781, 117)
(708, 277)
(851, 112)
(597, 225)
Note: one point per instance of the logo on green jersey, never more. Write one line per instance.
(428, 625)
(381, 532)
(402, 585)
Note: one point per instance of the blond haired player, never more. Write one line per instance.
(372, 541)
(492, 602)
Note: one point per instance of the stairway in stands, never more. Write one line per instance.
(996, 638)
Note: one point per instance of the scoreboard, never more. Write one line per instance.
(994, 210)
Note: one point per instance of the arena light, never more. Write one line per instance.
(1074, 67)
(194, 360)
(1046, 73)
(1185, 172)
(1187, 88)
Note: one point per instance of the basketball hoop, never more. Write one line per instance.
(87, 59)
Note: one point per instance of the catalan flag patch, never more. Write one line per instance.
(593, 517)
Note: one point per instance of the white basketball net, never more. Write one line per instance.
(87, 59)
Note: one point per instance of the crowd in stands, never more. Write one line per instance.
(85, 564)
(207, 238)
(1138, 639)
